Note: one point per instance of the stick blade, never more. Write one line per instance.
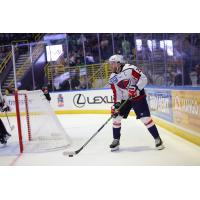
(68, 153)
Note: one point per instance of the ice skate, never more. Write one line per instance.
(159, 144)
(115, 145)
(3, 140)
(7, 136)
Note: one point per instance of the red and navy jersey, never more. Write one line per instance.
(121, 82)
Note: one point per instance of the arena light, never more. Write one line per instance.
(151, 44)
(168, 46)
(138, 44)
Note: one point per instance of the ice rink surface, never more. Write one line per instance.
(136, 149)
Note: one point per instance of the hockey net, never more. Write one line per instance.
(39, 129)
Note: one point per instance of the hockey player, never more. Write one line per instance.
(127, 81)
(46, 93)
(4, 135)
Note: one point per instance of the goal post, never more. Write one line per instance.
(39, 129)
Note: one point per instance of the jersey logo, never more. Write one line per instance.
(123, 84)
(113, 80)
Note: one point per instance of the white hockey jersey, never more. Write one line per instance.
(129, 76)
(3, 99)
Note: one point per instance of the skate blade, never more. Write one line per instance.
(115, 149)
(160, 147)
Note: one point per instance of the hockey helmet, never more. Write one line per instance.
(117, 58)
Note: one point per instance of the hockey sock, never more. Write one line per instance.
(154, 131)
(116, 133)
(117, 127)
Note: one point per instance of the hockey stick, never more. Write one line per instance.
(72, 153)
(12, 127)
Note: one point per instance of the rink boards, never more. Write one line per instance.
(175, 110)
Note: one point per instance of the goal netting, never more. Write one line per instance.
(38, 127)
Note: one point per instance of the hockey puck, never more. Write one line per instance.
(70, 155)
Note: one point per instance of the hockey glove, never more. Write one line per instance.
(133, 91)
(114, 109)
(4, 107)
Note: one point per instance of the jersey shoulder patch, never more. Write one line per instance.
(113, 79)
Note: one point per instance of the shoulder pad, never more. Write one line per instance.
(128, 66)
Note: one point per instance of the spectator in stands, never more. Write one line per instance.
(65, 85)
(85, 83)
(80, 56)
(81, 39)
(197, 68)
(178, 78)
(75, 83)
(66, 62)
(119, 51)
(186, 76)
(78, 62)
(89, 59)
(126, 48)
(72, 60)
(182, 77)
(105, 48)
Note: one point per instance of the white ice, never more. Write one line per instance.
(137, 146)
